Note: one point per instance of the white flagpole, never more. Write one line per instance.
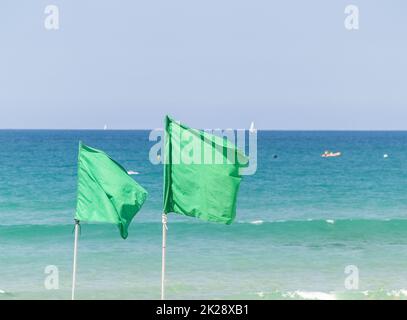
(75, 251)
(164, 221)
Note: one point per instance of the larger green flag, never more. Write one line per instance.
(106, 193)
(201, 173)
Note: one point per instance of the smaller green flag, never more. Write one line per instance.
(106, 193)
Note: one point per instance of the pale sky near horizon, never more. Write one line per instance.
(209, 63)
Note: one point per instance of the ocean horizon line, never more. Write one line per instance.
(257, 129)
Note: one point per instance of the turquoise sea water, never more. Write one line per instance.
(301, 220)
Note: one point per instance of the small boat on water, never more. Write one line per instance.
(328, 154)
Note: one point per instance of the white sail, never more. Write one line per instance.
(252, 129)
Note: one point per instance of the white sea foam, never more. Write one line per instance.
(315, 295)
(331, 221)
(397, 293)
(132, 172)
(256, 222)
(289, 295)
(2, 291)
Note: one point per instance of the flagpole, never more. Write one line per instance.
(75, 251)
(164, 244)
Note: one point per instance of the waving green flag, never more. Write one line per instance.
(201, 173)
(106, 193)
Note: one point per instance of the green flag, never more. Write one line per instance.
(201, 173)
(106, 193)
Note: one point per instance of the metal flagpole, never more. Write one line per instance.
(75, 251)
(164, 221)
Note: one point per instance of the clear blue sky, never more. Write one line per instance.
(210, 63)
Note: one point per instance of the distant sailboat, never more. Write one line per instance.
(252, 129)
(105, 127)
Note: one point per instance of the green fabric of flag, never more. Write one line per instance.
(106, 193)
(201, 173)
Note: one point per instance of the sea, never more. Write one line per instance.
(307, 227)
